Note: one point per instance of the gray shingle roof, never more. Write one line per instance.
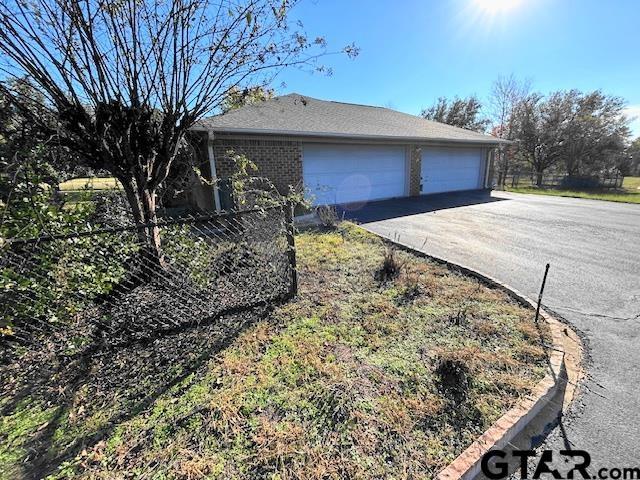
(295, 114)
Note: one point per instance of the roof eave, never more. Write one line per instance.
(296, 133)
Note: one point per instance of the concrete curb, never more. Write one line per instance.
(467, 465)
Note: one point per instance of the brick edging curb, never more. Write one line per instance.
(467, 465)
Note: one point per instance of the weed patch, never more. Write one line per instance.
(391, 265)
(454, 378)
(361, 376)
(328, 216)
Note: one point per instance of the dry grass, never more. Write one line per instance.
(631, 184)
(630, 192)
(357, 378)
(90, 183)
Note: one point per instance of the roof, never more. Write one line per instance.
(298, 115)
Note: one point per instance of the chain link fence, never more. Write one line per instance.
(527, 178)
(97, 288)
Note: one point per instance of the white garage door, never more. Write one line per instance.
(451, 169)
(353, 173)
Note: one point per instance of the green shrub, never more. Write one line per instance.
(52, 280)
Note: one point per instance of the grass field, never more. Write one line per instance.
(90, 183)
(630, 192)
(631, 184)
(358, 377)
(78, 191)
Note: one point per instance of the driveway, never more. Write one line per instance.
(594, 282)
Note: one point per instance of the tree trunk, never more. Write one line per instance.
(539, 176)
(572, 166)
(152, 233)
(143, 207)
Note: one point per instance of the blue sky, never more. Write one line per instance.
(414, 51)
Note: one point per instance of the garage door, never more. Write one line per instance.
(353, 173)
(451, 169)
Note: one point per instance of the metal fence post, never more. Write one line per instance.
(288, 212)
(544, 281)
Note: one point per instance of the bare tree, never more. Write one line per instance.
(126, 80)
(506, 93)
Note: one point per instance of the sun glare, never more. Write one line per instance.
(497, 6)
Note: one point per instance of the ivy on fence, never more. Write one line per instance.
(95, 287)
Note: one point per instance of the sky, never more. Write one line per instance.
(414, 51)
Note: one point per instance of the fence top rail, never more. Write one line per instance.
(140, 226)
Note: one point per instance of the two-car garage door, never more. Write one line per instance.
(336, 174)
(343, 173)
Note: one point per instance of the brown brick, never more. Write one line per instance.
(415, 167)
(278, 160)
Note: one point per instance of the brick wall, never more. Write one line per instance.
(278, 160)
(415, 167)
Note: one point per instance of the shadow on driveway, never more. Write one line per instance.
(400, 207)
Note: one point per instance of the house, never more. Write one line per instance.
(346, 153)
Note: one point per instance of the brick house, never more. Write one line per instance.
(343, 153)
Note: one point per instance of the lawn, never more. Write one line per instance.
(630, 192)
(89, 183)
(81, 190)
(631, 184)
(362, 376)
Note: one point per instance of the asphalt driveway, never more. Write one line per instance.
(594, 282)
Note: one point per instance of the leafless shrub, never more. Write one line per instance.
(336, 403)
(391, 265)
(454, 378)
(411, 288)
(460, 317)
(328, 216)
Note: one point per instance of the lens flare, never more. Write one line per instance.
(497, 6)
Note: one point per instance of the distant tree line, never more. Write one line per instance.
(460, 112)
(567, 131)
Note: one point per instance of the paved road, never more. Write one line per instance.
(594, 282)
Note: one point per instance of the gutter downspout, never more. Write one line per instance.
(214, 175)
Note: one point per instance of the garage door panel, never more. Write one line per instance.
(353, 173)
(390, 178)
(450, 169)
(346, 166)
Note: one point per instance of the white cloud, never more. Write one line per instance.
(633, 112)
